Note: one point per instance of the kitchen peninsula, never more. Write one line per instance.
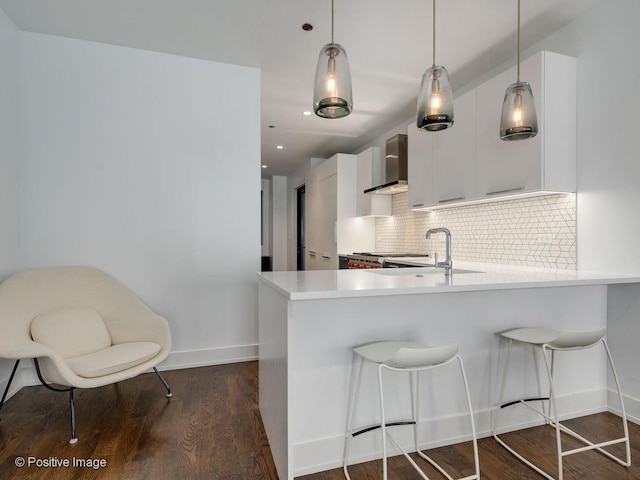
(310, 321)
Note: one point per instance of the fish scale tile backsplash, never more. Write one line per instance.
(537, 232)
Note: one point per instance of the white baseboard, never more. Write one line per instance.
(327, 453)
(631, 406)
(26, 374)
(210, 356)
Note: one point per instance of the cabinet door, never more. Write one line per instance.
(369, 163)
(327, 256)
(420, 158)
(511, 166)
(454, 155)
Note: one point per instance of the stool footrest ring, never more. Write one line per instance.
(535, 399)
(375, 427)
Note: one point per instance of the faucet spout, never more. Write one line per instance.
(447, 262)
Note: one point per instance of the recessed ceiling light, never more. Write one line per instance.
(264, 166)
(279, 147)
(307, 113)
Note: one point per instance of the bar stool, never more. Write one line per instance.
(405, 357)
(549, 340)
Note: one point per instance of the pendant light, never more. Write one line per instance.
(519, 120)
(332, 96)
(435, 99)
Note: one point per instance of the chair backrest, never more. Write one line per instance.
(28, 294)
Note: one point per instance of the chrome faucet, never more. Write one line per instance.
(447, 262)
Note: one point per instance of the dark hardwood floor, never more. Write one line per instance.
(211, 429)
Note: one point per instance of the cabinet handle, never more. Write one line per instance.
(455, 199)
(508, 190)
(328, 257)
(312, 253)
(418, 205)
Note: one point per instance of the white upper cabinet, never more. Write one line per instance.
(331, 224)
(419, 167)
(369, 162)
(545, 162)
(454, 155)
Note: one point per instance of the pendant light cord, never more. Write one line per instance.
(518, 41)
(331, 21)
(434, 33)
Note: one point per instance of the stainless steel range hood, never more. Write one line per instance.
(395, 179)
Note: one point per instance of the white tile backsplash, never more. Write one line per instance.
(539, 231)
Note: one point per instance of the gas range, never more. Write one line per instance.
(376, 259)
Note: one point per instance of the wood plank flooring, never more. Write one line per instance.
(211, 429)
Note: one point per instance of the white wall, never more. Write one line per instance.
(266, 234)
(9, 160)
(147, 166)
(279, 222)
(9, 166)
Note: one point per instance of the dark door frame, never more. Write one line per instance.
(300, 223)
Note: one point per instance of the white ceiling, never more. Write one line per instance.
(388, 45)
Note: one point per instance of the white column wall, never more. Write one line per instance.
(9, 160)
(147, 166)
(9, 151)
(604, 42)
(279, 216)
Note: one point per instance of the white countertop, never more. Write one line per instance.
(319, 284)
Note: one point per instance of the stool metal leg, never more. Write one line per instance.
(548, 353)
(383, 425)
(625, 426)
(415, 386)
(349, 436)
(552, 405)
(476, 459)
(523, 402)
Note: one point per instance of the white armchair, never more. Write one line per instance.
(82, 327)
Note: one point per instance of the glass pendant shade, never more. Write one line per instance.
(435, 100)
(332, 96)
(519, 120)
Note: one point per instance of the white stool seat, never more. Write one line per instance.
(551, 341)
(555, 338)
(411, 357)
(406, 354)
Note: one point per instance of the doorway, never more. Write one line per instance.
(300, 202)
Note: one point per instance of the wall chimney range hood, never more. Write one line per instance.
(395, 178)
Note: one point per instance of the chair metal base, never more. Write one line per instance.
(553, 420)
(164, 382)
(74, 438)
(6, 390)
